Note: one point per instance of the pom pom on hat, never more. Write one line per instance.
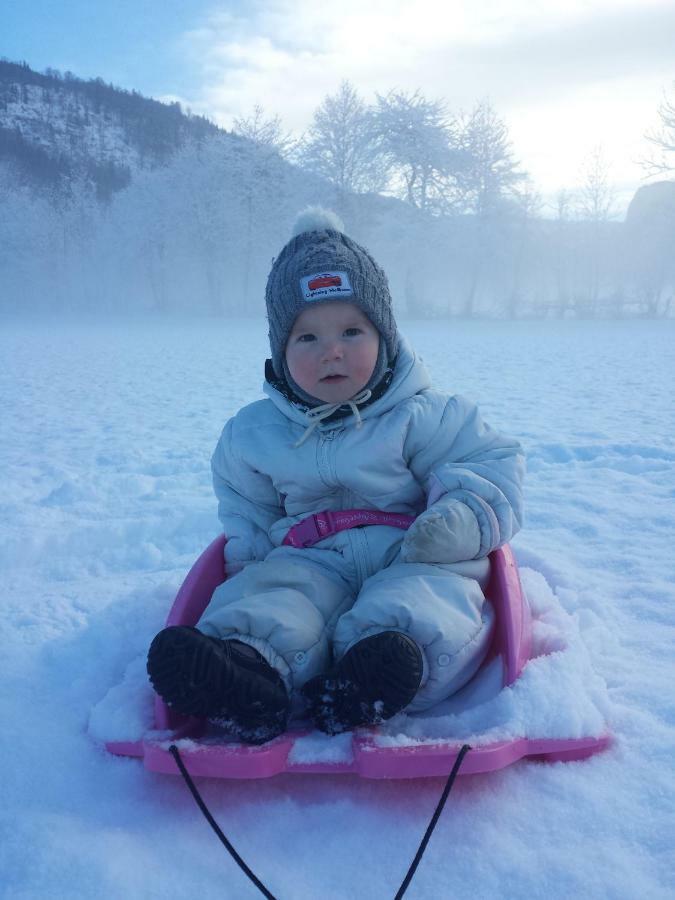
(316, 218)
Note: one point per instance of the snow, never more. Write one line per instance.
(557, 696)
(107, 431)
(58, 121)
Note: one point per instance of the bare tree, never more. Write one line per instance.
(486, 184)
(418, 138)
(563, 254)
(490, 172)
(265, 132)
(259, 189)
(663, 139)
(524, 228)
(596, 206)
(341, 144)
(597, 199)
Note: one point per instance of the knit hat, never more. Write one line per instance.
(320, 264)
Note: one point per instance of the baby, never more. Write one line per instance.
(360, 506)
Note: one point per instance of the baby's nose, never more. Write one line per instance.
(334, 350)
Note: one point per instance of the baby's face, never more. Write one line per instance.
(332, 351)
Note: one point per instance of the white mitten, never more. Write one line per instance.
(244, 548)
(447, 532)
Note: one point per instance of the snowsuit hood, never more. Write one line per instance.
(409, 377)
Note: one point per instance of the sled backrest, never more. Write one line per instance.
(191, 600)
(201, 581)
(512, 640)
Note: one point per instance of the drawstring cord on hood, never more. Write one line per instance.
(316, 415)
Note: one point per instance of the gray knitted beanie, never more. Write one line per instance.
(319, 264)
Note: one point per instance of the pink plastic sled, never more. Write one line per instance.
(225, 759)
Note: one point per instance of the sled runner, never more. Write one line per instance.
(205, 754)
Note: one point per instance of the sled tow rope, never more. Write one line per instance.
(173, 750)
(432, 824)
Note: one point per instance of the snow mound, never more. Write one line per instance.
(126, 713)
(558, 694)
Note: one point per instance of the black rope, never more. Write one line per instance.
(432, 824)
(173, 750)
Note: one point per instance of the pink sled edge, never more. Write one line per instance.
(230, 760)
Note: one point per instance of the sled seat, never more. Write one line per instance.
(204, 755)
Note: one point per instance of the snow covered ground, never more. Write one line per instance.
(107, 431)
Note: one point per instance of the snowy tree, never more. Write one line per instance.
(265, 132)
(662, 138)
(419, 142)
(486, 185)
(341, 144)
(27, 246)
(198, 234)
(524, 221)
(563, 253)
(597, 198)
(595, 207)
(489, 173)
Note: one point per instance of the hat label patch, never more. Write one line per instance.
(325, 284)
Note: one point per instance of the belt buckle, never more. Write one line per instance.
(324, 524)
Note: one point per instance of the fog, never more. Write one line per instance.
(190, 226)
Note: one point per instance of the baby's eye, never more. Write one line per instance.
(305, 338)
(352, 332)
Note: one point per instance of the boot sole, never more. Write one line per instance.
(387, 667)
(373, 681)
(201, 676)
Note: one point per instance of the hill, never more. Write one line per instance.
(56, 128)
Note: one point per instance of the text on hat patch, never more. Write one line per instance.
(325, 284)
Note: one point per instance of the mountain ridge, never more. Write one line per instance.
(55, 127)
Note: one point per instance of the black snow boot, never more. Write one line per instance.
(375, 679)
(225, 681)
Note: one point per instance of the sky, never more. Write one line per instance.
(567, 77)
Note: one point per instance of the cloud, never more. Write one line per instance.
(286, 55)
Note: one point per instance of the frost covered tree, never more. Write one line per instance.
(341, 144)
(265, 132)
(197, 235)
(28, 247)
(486, 185)
(261, 183)
(563, 254)
(489, 173)
(595, 207)
(523, 234)
(662, 139)
(596, 198)
(418, 139)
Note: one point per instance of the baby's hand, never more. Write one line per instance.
(240, 551)
(447, 532)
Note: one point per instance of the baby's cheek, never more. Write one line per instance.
(301, 369)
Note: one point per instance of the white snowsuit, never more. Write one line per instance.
(414, 450)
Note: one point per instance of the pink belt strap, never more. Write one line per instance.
(328, 522)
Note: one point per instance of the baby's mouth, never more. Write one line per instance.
(331, 379)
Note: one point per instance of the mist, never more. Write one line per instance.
(114, 204)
